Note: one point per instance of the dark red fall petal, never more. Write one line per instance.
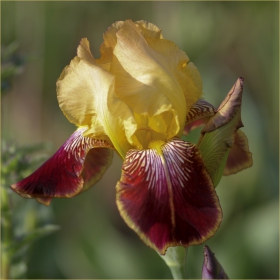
(239, 156)
(96, 163)
(167, 197)
(198, 115)
(60, 176)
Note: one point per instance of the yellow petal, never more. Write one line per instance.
(146, 79)
(138, 91)
(107, 47)
(141, 74)
(110, 38)
(73, 95)
(148, 29)
(118, 120)
(84, 52)
(184, 71)
(86, 96)
(76, 93)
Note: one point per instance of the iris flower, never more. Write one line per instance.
(138, 99)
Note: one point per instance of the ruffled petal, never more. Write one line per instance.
(148, 29)
(145, 78)
(68, 170)
(107, 47)
(180, 67)
(84, 52)
(167, 197)
(78, 88)
(86, 95)
(110, 39)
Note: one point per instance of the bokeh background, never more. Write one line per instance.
(225, 40)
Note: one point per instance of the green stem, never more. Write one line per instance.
(175, 258)
(7, 234)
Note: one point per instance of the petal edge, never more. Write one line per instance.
(60, 176)
(160, 196)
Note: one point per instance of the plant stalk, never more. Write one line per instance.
(175, 258)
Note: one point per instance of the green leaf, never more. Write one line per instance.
(32, 236)
(18, 162)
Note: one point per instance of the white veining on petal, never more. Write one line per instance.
(78, 145)
(176, 154)
(146, 162)
(162, 169)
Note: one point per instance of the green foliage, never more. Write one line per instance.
(16, 238)
(19, 162)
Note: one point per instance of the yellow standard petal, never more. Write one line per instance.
(148, 29)
(84, 52)
(86, 96)
(76, 93)
(139, 91)
(147, 80)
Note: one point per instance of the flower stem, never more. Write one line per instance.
(7, 234)
(175, 258)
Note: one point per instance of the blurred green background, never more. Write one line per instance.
(225, 40)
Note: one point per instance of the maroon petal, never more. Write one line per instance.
(64, 175)
(96, 163)
(166, 195)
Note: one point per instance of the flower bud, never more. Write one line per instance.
(211, 268)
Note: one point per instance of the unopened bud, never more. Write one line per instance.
(211, 268)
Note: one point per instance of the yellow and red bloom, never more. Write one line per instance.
(138, 99)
